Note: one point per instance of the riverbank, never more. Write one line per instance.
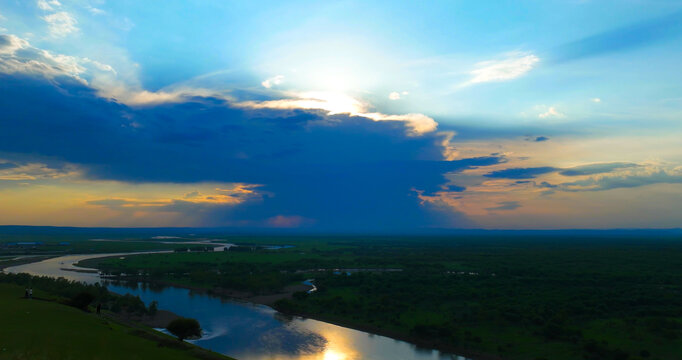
(44, 328)
(158, 321)
(23, 260)
(229, 294)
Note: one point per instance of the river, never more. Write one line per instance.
(248, 331)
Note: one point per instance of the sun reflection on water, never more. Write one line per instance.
(339, 345)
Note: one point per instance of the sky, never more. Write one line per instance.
(341, 116)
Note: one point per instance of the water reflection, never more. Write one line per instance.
(256, 332)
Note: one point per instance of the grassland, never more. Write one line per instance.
(42, 328)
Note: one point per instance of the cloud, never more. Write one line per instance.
(591, 169)
(641, 176)
(552, 112)
(194, 208)
(344, 172)
(621, 39)
(9, 44)
(417, 124)
(275, 80)
(61, 24)
(18, 56)
(32, 171)
(397, 95)
(94, 10)
(282, 221)
(582, 170)
(48, 5)
(513, 66)
(505, 206)
(596, 100)
(520, 173)
(336, 103)
(115, 203)
(190, 195)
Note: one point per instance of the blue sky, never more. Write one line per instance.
(341, 116)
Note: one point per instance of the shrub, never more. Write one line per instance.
(82, 300)
(184, 328)
(153, 308)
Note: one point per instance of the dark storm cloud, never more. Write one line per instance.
(521, 173)
(592, 169)
(621, 39)
(619, 182)
(530, 173)
(345, 172)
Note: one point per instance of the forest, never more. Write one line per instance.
(510, 297)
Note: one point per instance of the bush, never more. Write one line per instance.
(300, 295)
(184, 328)
(153, 308)
(82, 300)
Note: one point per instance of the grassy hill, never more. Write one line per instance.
(40, 329)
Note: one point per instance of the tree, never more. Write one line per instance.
(184, 328)
(153, 308)
(82, 300)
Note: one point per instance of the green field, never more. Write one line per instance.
(516, 298)
(42, 329)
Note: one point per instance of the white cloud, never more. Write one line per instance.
(94, 10)
(61, 23)
(34, 171)
(596, 100)
(136, 97)
(99, 65)
(552, 112)
(337, 103)
(276, 80)
(9, 44)
(48, 5)
(334, 103)
(450, 152)
(417, 123)
(513, 66)
(18, 56)
(397, 95)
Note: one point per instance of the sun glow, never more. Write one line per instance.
(334, 355)
(339, 103)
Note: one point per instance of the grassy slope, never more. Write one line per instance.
(35, 329)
